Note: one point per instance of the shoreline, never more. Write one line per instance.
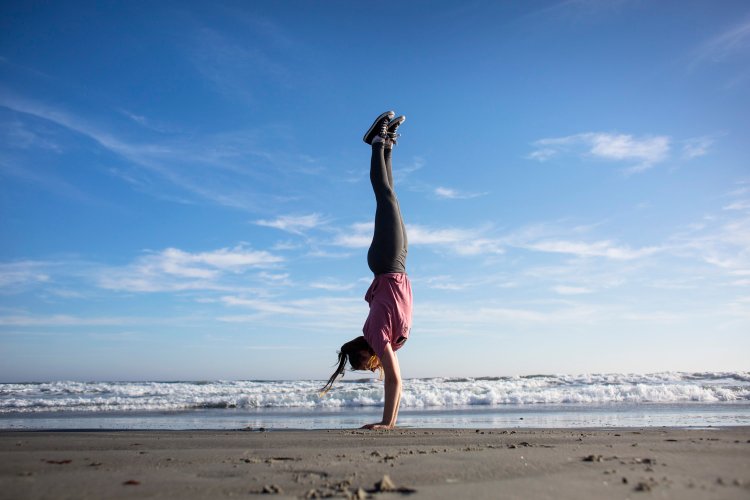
(575, 463)
(694, 415)
(274, 430)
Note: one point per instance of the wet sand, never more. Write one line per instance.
(419, 463)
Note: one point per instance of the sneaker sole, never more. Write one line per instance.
(372, 132)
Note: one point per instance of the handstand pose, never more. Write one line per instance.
(388, 324)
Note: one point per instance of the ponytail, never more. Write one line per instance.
(349, 352)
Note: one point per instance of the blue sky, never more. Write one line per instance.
(184, 189)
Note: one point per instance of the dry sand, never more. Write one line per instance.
(420, 463)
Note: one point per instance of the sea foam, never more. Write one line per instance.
(591, 389)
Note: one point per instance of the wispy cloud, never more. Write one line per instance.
(487, 241)
(556, 238)
(646, 151)
(578, 11)
(443, 282)
(473, 241)
(461, 241)
(402, 171)
(46, 181)
(733, 40)
(605, 248)
(148, 123)
(454, 283)
(296, 224)
(274, 347)
(252, 55)
(60, 320)
(322, 312)
(571, 290)
(332, 286)
(357, 235)
(15, 276)
(16, 134)
(722, 242)
(743, 189)
(696, 147)
(176, 270)
(454, 194)
(738, 205)
(229, 64)
(227, 168)
(450, 318)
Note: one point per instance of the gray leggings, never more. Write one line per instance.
(388, 249)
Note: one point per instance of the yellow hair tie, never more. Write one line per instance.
(374, 363)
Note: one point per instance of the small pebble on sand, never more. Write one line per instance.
(271, 489)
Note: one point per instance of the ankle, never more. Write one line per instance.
(385, 143)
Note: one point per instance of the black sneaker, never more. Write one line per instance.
(379, 127)
(393, 126)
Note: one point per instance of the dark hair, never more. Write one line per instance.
(349, 352)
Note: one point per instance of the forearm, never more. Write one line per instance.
(398, 405)
(392, 390)
(392, 402)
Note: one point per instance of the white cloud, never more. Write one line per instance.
(482, 241)
(332, 286)
(401, 172)
(740, 190)
(66, 293)
(324, 254)
(423, 235)
(467, 241)
(314, 313)
(445, 283)
(478, 246)
(453, 194)
(449, 193)
(357, 235)
(227, 168)
(595, 249)
(60, 320)
(18, 135)
(721, 242)
(232, 66)
(233, 259)
(451, 318)
(624, 147)
(696, 147)
(460, 241)
(285, 347)
(296, 224)
(724, 45)
(277, 277)
(738, 205)
(174, 270)
(542, 154)
(17, 275)
(647, 151)
(571, 290)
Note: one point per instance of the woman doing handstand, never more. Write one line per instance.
(389, 322)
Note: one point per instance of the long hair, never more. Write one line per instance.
(351, 352)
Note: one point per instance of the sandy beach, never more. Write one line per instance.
(419, 463)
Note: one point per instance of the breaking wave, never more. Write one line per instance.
(592, 389)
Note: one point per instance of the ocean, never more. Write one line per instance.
(672, 399)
